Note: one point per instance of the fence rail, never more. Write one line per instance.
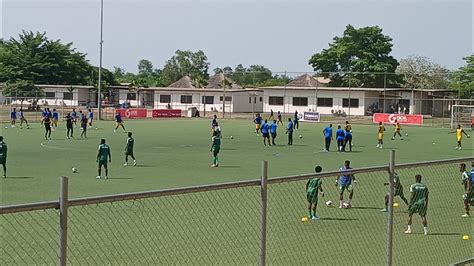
(246, 222)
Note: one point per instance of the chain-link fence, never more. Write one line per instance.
(250, 222)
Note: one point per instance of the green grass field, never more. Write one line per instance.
(175, 153)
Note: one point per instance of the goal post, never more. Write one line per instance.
(462, 115)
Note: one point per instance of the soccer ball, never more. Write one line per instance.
(96, 128)
(406, 134)
(300, 136)
(329, 203)
(74, 170)
(231, 137)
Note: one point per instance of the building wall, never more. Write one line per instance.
(312, 96)
(196, 101)
(246, 102)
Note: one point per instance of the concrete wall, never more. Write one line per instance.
(247, 102)
(312, 96)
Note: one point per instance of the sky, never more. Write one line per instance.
(281, 35)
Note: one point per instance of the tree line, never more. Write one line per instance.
(360, 57)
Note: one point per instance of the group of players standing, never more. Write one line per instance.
(418, 202)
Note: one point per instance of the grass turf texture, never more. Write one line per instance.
(174, 153)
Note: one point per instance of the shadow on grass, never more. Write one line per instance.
(18, 177)
(228, 149)
(338, 219)
(229, 166)
(119, 178)
(366, 208)
(445, 234)
(144, 166)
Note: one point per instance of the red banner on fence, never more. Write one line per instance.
(401, 118)
(133, 112)
(166, 113)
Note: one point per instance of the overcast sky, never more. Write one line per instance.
(281, 35)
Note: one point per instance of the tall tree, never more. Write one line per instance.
(422, 73)
(22, 90)
(193, 64)
(358, 50)
(34, 58)
(145, 68)
(463, 78)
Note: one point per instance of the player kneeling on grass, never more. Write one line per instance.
(467, 181)
(398, 191)
(129, 150)
(344, 182)
(418, 204)
(216, 145)
(3, 156)
(102, 156)
(312, 187)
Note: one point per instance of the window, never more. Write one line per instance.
(354, 103)
(274, 100)
(50, 95)
(261, 99)
(300, 101)
(208, 99)
(131, 96)
(186, 99)
(250, 99)
(325, 102)
(165, 98)
(227, 98)
(68, 96)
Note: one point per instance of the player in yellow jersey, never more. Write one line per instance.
(396, 130)
(380, 135)
(459, 131)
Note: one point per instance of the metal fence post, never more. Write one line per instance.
(63, 206)
(263, 221)
(390, 209)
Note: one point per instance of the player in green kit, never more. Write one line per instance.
(3, 156)
(418, 204)
(312, 187)
(129, 150)
(398, 191)
(468, 195)
(102, 156)
(216, 145)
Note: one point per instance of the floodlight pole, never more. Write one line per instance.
(99, 90)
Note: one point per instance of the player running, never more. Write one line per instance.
(265, 133)
(90, 116)
(258, 123)
(279, 119)
(467, 181)
(13, 117)
(312, 187)
(3, 156)
(396, 130)
(55, 118)
(459, 131)
(84, 126)
(23, 119)
(102, 156)
(129, 150)
(327, 132)
(47, 128)
(216, 145)
(340, 137)
(273, 131)
(289, 131)
(380, 135)
(118, 122)
(398, 191)
(418, 204)
(69, 127)
(344, 182)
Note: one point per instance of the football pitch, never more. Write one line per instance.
(175, 153)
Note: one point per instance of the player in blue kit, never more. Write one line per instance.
(118, 122)
(90, 116)
(348, 140)
(55, 119)
(23, 119)
(273, 131)
(289, 131)
(265, 133)
(340, 137)
(13, 117)
(344, 182)
(327, 132)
